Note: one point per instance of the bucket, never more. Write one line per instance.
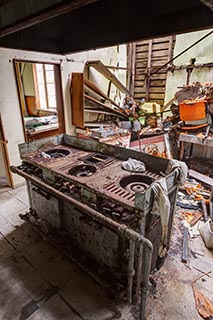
(192, 110)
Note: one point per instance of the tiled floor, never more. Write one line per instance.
(38, 282)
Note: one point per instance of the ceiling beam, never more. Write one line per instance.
(208, 3)
(44, 15)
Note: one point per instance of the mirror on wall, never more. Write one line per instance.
(40, 96)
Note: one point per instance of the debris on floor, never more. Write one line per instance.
(203, 304)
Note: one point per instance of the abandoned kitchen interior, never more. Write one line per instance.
(106, 160)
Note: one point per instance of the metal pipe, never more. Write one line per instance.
(138, 274)
(121, 230)
(131, 270)
(146, 265)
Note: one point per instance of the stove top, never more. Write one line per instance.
(101, 173)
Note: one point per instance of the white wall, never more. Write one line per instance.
(203, 52)
(9, 101)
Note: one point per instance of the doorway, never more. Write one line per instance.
(5, 175)
(40, 96)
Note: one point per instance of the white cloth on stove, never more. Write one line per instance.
(161, 203)
(182, 170)
(161, 207)
(133, 165)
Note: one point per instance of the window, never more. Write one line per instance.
(46, 85)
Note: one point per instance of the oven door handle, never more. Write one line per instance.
(42, 193)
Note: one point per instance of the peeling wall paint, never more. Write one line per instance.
(203, 54)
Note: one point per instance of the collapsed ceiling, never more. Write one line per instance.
(62, 27)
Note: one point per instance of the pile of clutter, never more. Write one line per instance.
(195, 209)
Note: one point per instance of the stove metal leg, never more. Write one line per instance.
(146, 264)
(131, 270)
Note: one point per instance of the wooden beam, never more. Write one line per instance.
(59, 98)
(133, 67)
(94, 88)
(102, 69)
(149, 64)
(43, 15)
(77, 106)
(105, 106)
(201, 177)
(168, 104)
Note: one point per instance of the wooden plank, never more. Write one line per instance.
(162, 39)
(154, 77)
(25, 20)
(102, 69)
(201, 177)
(139, 83)
(157, 83)
(140, 90)
(160, 46)
(171, 46)
(143, 42)
(157, 96)
(159, 76)
(168, 104)
(160, 54)
(94, 88)
(132, 84)
(141, 55)
(157, 90)
(59, 98)
(93, 110)
(76, 90)
(105, 106)
(141, 50)
(184, 256)
(158, 63)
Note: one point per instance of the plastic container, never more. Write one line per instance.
(206, 231)
(192, 110)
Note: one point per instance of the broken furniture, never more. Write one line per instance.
(96, 212)
(157, 145)
(90, 104)
(200, 147)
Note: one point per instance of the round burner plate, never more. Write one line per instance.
(136, 183)
(57, 153)
(83, 170)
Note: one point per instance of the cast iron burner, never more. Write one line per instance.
(136, 183)
(83, 170)
(57, 153)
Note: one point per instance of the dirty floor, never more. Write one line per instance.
(38, 282)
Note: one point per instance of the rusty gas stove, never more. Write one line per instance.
(98, 213)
